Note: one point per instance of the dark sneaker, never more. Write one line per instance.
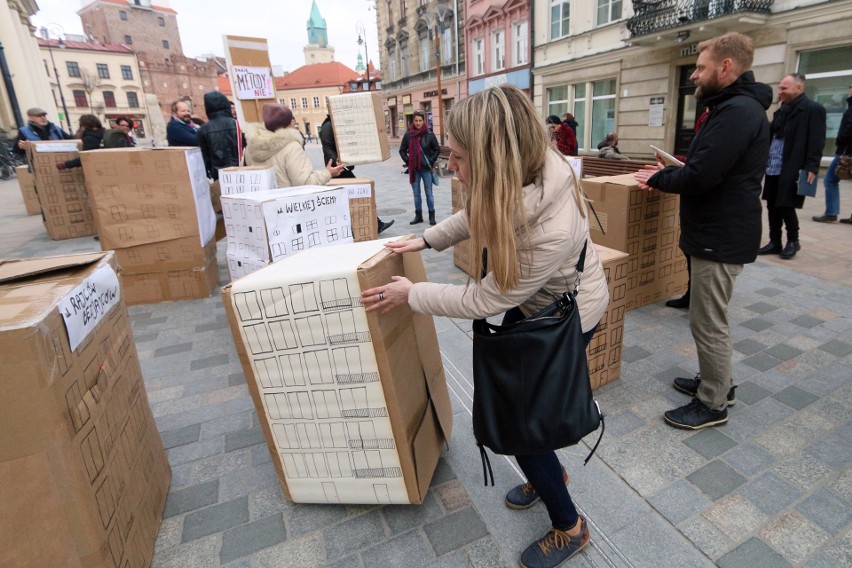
(680, 303)
(690, 387)
(695, 416)
(555, 547)
(847, 221)
(384, 226)
(771, 248)
(825, 218)
(790, 250)
(524, 496)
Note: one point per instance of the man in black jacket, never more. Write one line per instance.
(219, 141)
(798, 136)
(719, 189)
(831, 181)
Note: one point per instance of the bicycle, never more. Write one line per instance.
(9, 161)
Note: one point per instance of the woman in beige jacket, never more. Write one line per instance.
(280, 145)
(522, 205)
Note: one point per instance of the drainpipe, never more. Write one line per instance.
(10, 88)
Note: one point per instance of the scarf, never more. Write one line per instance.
(415, 154)
(779, 119)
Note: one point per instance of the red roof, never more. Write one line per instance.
(331, 74)
(126, 3)
(85, 45)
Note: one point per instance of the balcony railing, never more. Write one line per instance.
(655, 16)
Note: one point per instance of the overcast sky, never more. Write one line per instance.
(283, 22)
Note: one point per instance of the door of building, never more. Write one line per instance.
(688, 111)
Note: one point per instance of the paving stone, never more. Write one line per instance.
(622, 423)
(770, 292)
(244, 481)
(453, 496)
(215, 519)
(191, 498)
(795, 397)
(169, 533)
(181, 436)
(249, 538)
(195, 451)
(749, 459)
(173, 349)
(308, 551)
(783, 352)
(633, 354)
(309, 518)
(710, 443)
(243, 438)
(735, 516)
(226, 424)
(756, 324)
(455, 530)
(793, 536)
(770, 493)
(205, 386)
(207, 362)
(200, 553)
(399, 551)
(807, 321)
(145, 337)
(753, 553)
(443, 473)
(761, 361)
(353, 561)
(220, 465)
(353, 534)
(761, 307)
(838, 348)
(679, 501)
(842, 485)
(803, 471)
(212, 326)
(149, 321)
(235, 379)
(716, 479)
(706, 536)
(749, 346)
(267, 502)
(824, 509)
(832, 450)
(750, 393)
(643, 478)
(485, 553)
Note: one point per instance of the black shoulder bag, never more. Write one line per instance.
(531, 391)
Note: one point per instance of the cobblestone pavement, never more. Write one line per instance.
(772, 488)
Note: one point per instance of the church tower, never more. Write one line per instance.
(317, 50)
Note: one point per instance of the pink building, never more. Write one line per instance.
(497, 42)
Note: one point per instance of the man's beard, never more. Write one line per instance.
(710, 89)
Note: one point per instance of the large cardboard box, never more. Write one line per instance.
(62, 195)
(266, 226)
(246, 179)
(644, 224)
(84, 474)
(362, 207)
(27, 182)
(604, 350)
(359, 127)
(354, 405)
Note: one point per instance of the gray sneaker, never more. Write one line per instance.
(690, 387)
(524, 496)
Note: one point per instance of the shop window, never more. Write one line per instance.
(828, 76)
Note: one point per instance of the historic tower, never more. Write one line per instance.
(317, 50)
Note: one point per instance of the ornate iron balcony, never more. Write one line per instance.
(652, 16)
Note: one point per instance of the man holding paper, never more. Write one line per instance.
(798, 136)
(719, 188)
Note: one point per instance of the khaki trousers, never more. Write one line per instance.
(712, 284)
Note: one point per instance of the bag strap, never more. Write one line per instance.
(486, 466)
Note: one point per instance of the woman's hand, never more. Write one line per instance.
(387, 297)
(334, 170)
(412, 245)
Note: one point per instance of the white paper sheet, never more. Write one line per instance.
(87, 304)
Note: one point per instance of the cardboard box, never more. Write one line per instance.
(27, 182)
(644, 224)
(246, 179)
(62, 195)
(362, 207)
(84, 472)
(359, 127)
(266, 226)
(604, 350)
(353, 405)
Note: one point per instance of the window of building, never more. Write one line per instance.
(594, 122)
(292, 102)
(828, 75)
(128, 40)
(608, 11)
(557, 100)
(478, 56)
(73, 68)
(580, 115)
(560, 18)
(103, 70)
(447, 46)
(46, 68)
(122, 15)
(424, 51)
(392, 64)
(520, 33)
(109, 99)
(304, 102)
(403, 56)
(316, 102)
(80, 99)
(165, 44)
(603, 109)
(132, 100)
(161, 21)
(498, 50)
(126, 72)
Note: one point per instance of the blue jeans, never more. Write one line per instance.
(544, 471)
(832, 188)
(426, 177)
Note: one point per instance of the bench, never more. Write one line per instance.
(443, 161)
(596, 167)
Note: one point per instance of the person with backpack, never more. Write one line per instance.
(94, 138)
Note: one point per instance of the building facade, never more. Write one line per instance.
(152, 32)
(625, 67)
(421, 45)
(498, 44)
(96, 79)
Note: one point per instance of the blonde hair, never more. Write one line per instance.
(507, 143)
(737, 47)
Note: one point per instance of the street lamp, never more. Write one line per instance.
(362, 39)
(442, 10)
(60, 41)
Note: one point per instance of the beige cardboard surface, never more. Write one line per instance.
(84, 472)
(177, 254)
(362, 207)
(380, 410)
(604, 350)
(249, 52)
(359, 128)
(192, 283)
(62, 195)
(26, 180)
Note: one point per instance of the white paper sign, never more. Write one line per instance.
(655, 111)
(253, 83)
(359, 191)
(87, 304)
(577, 165)
(57, 147)
(201, 193)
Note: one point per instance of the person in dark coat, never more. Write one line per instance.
(94, 137)
(571, 122)
(798, 137)
(329, 153)
(719, 188)
(843, 142)
(181, 131)
(219, 138)
(420, 150)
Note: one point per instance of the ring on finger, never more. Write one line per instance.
(381, 295)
